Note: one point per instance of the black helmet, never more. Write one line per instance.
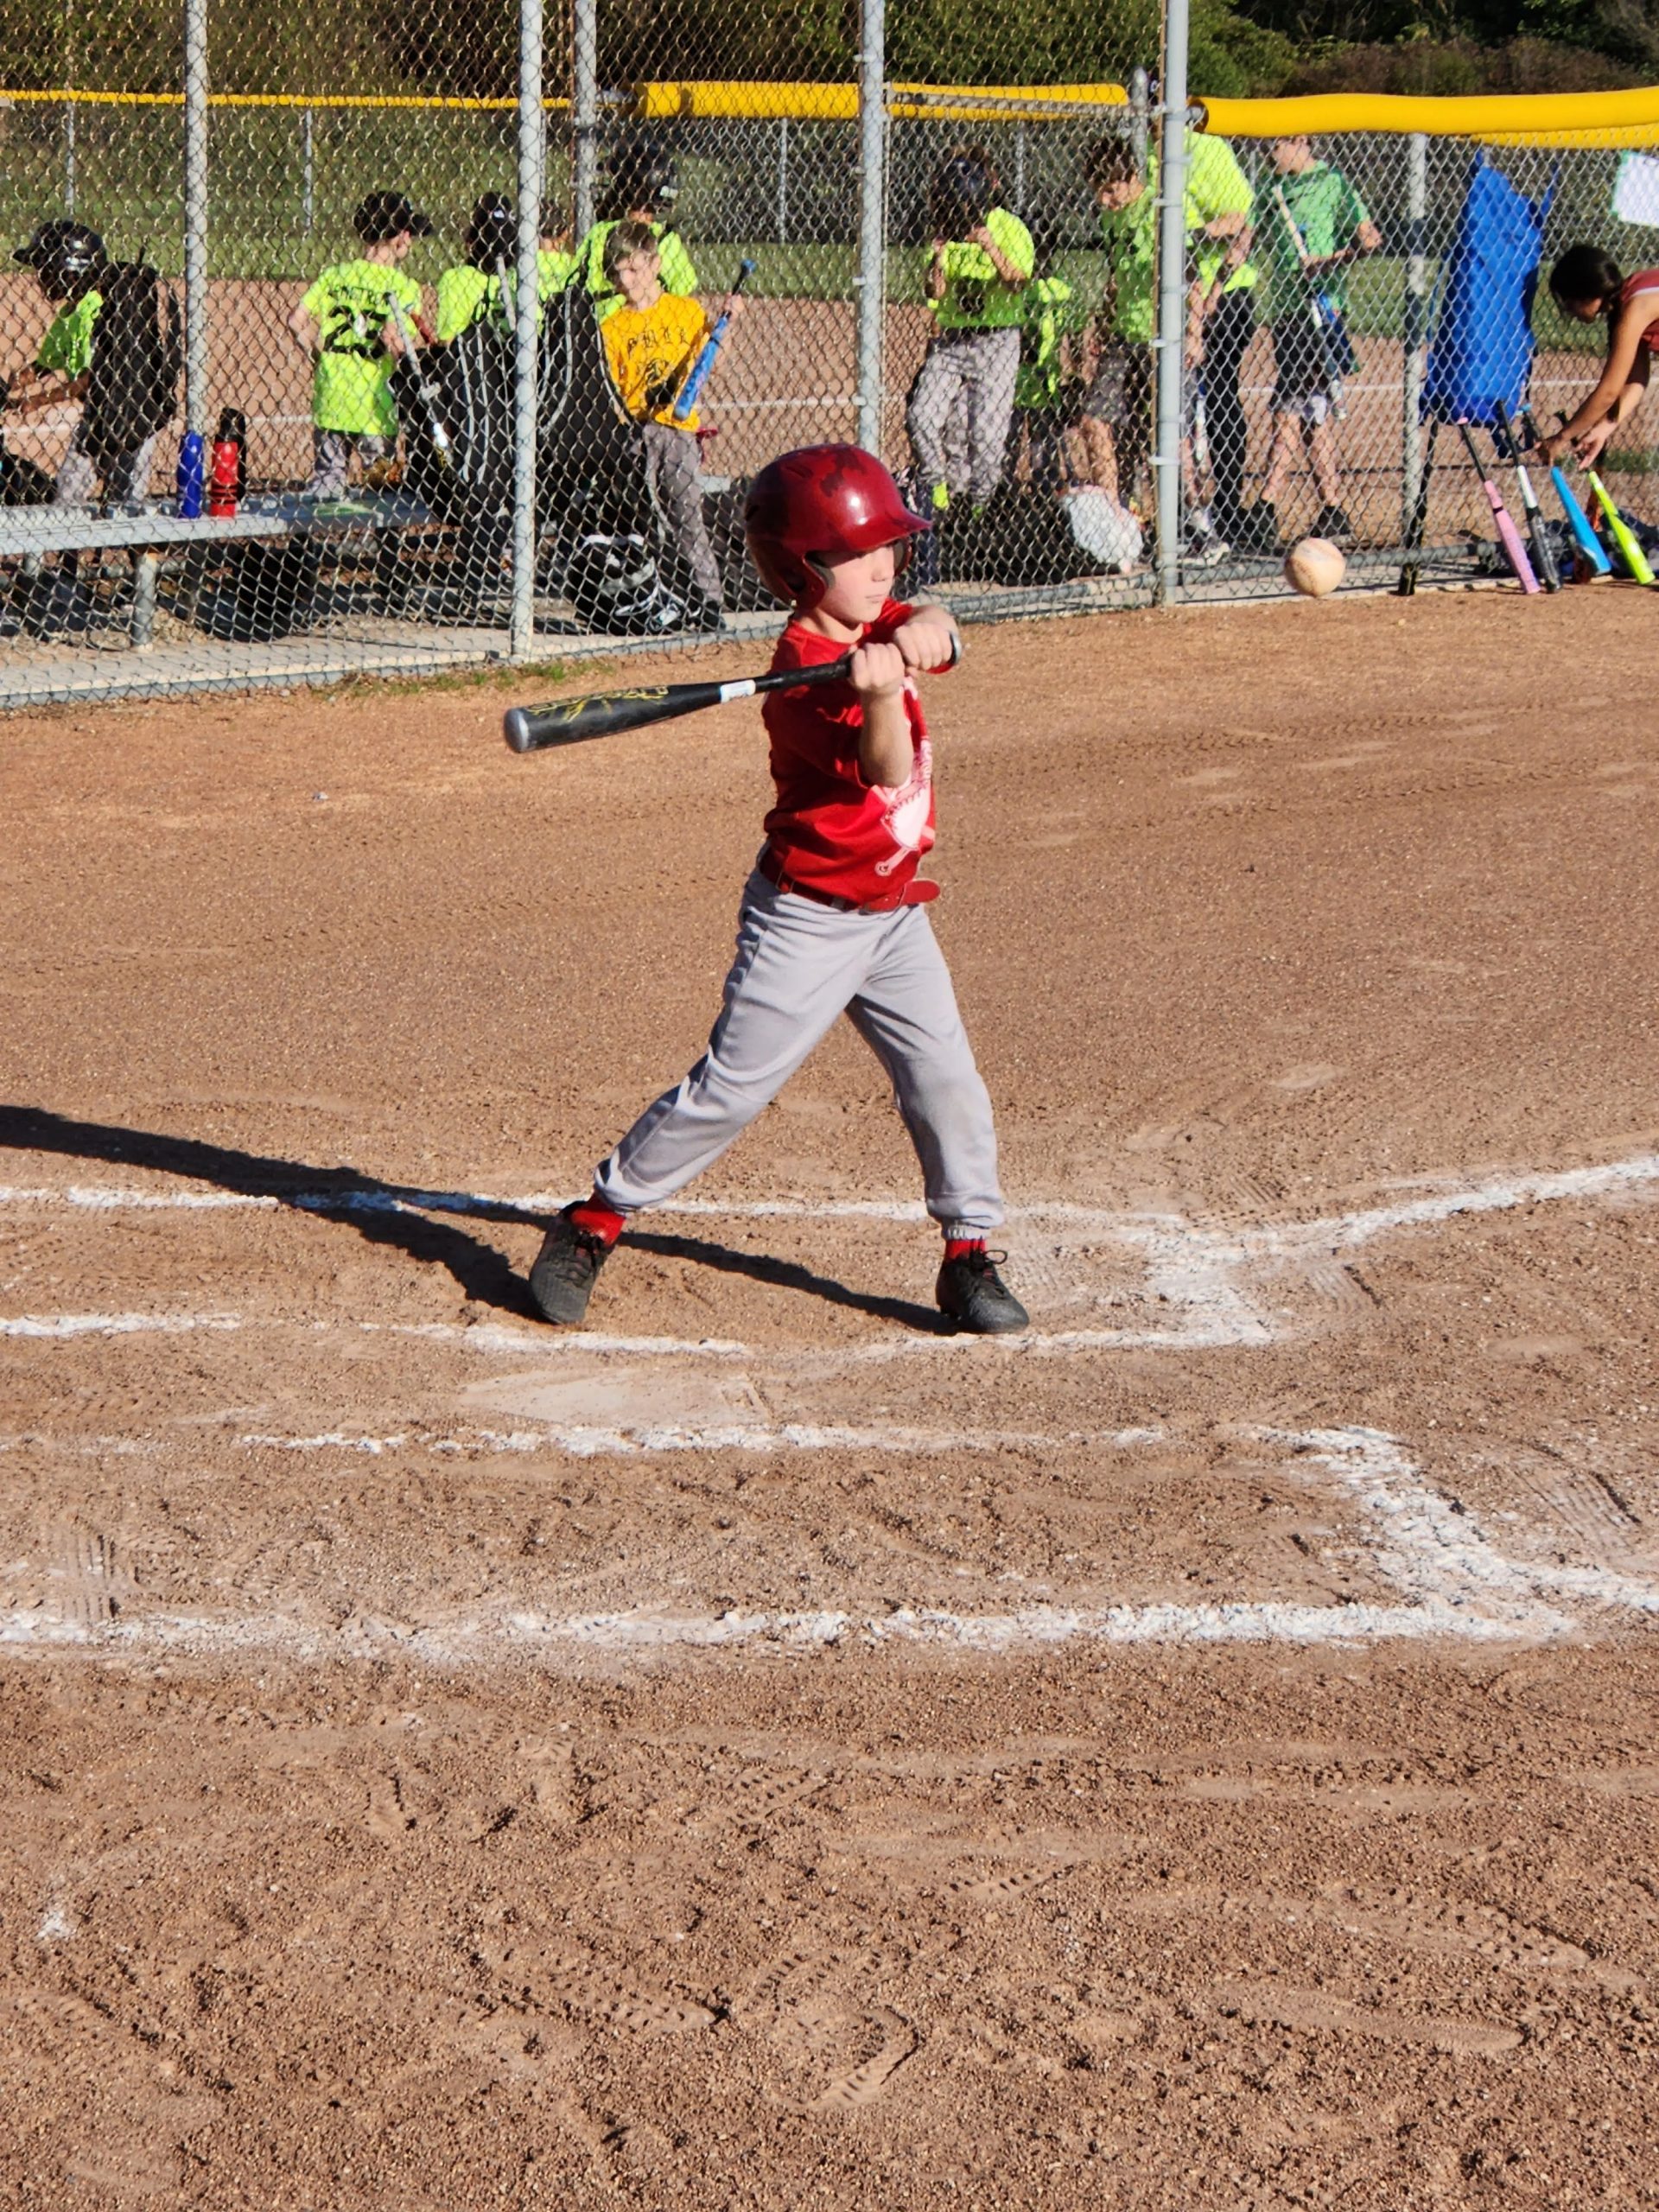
(66, 256)
(964, 187)
(643, 172)
(386, 215)
(492, 234)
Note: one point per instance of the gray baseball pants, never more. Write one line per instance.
(674, 470)
(333, 451)
(977, 367)
(126, 478)
(798, 966)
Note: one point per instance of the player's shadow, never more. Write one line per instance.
(789, 1274)
(381, 1213)
(398, 1213)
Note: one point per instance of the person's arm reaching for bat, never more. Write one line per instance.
(1619, 390)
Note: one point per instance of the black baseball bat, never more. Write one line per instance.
(1544, 562)
(571, 721)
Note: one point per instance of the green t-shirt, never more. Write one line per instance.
(464, 289)
(975, 298)
(675, 275)
(1327, 211)
(68, 345)
(1129, 236)
(1053, 313)
(1216, 186)
(351, 302)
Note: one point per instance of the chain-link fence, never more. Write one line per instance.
(393, 373)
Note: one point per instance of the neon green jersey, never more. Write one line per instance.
(554, 270)
(352, 304)
(975, 297)
(1129, 236)
(1053, 313)
(68, 345)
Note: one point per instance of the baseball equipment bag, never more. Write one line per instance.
(261, 592)
(137, 358)
(593, 494)
(22, 482)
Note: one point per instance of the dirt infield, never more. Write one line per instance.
(759, 1750)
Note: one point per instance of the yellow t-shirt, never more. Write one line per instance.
(651, 352)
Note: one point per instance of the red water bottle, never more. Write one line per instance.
(222, 476)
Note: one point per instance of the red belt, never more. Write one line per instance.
(917, 893)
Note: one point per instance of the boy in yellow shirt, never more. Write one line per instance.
(652, 341)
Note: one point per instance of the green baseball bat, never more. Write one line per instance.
(1624, 537)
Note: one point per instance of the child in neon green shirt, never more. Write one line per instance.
(356, 320)
(980, 263)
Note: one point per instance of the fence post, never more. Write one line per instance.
(870, 283)
(525, 333)
(1140, 107)
(307, 169)
(783, 178)
(69, 157)
(1018, 169)
(584, 111)
(1172, 299)
(195, 214)
(1415, 325)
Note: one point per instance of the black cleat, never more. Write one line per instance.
(1332, 522)
(975, 1297)
(567, 1267)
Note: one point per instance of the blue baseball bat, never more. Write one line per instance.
(1577, 521)
(705, 360)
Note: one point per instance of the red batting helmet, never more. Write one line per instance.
(809, 506)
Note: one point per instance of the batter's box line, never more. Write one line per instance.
(1455, 1585)
(1194, 1272)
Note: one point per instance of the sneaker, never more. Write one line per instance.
(975, 1297)
(567, 1267)
(1203, 550)
(1333, 524)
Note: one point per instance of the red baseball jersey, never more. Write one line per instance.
(830, 828)
(1644, 280)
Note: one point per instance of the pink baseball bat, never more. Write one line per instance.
(1509, 536)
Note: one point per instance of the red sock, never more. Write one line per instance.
(599, 1219)
(958, 1248)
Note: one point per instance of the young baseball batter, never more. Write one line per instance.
(833, 920)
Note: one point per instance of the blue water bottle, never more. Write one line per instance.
(193, 470)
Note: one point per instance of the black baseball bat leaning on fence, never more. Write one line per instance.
(571, 721)
(1544, 552)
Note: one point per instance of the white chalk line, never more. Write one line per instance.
(1193, 1273)
(51, 1325)
(1454, 1586)
(635, 1440)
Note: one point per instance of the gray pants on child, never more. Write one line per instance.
(333, 450)
(977, 367)
(798, 966)
(125, 476)
(673, 468)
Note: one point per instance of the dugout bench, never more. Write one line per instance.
(29, 534)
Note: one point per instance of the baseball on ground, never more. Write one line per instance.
(1314, 566)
